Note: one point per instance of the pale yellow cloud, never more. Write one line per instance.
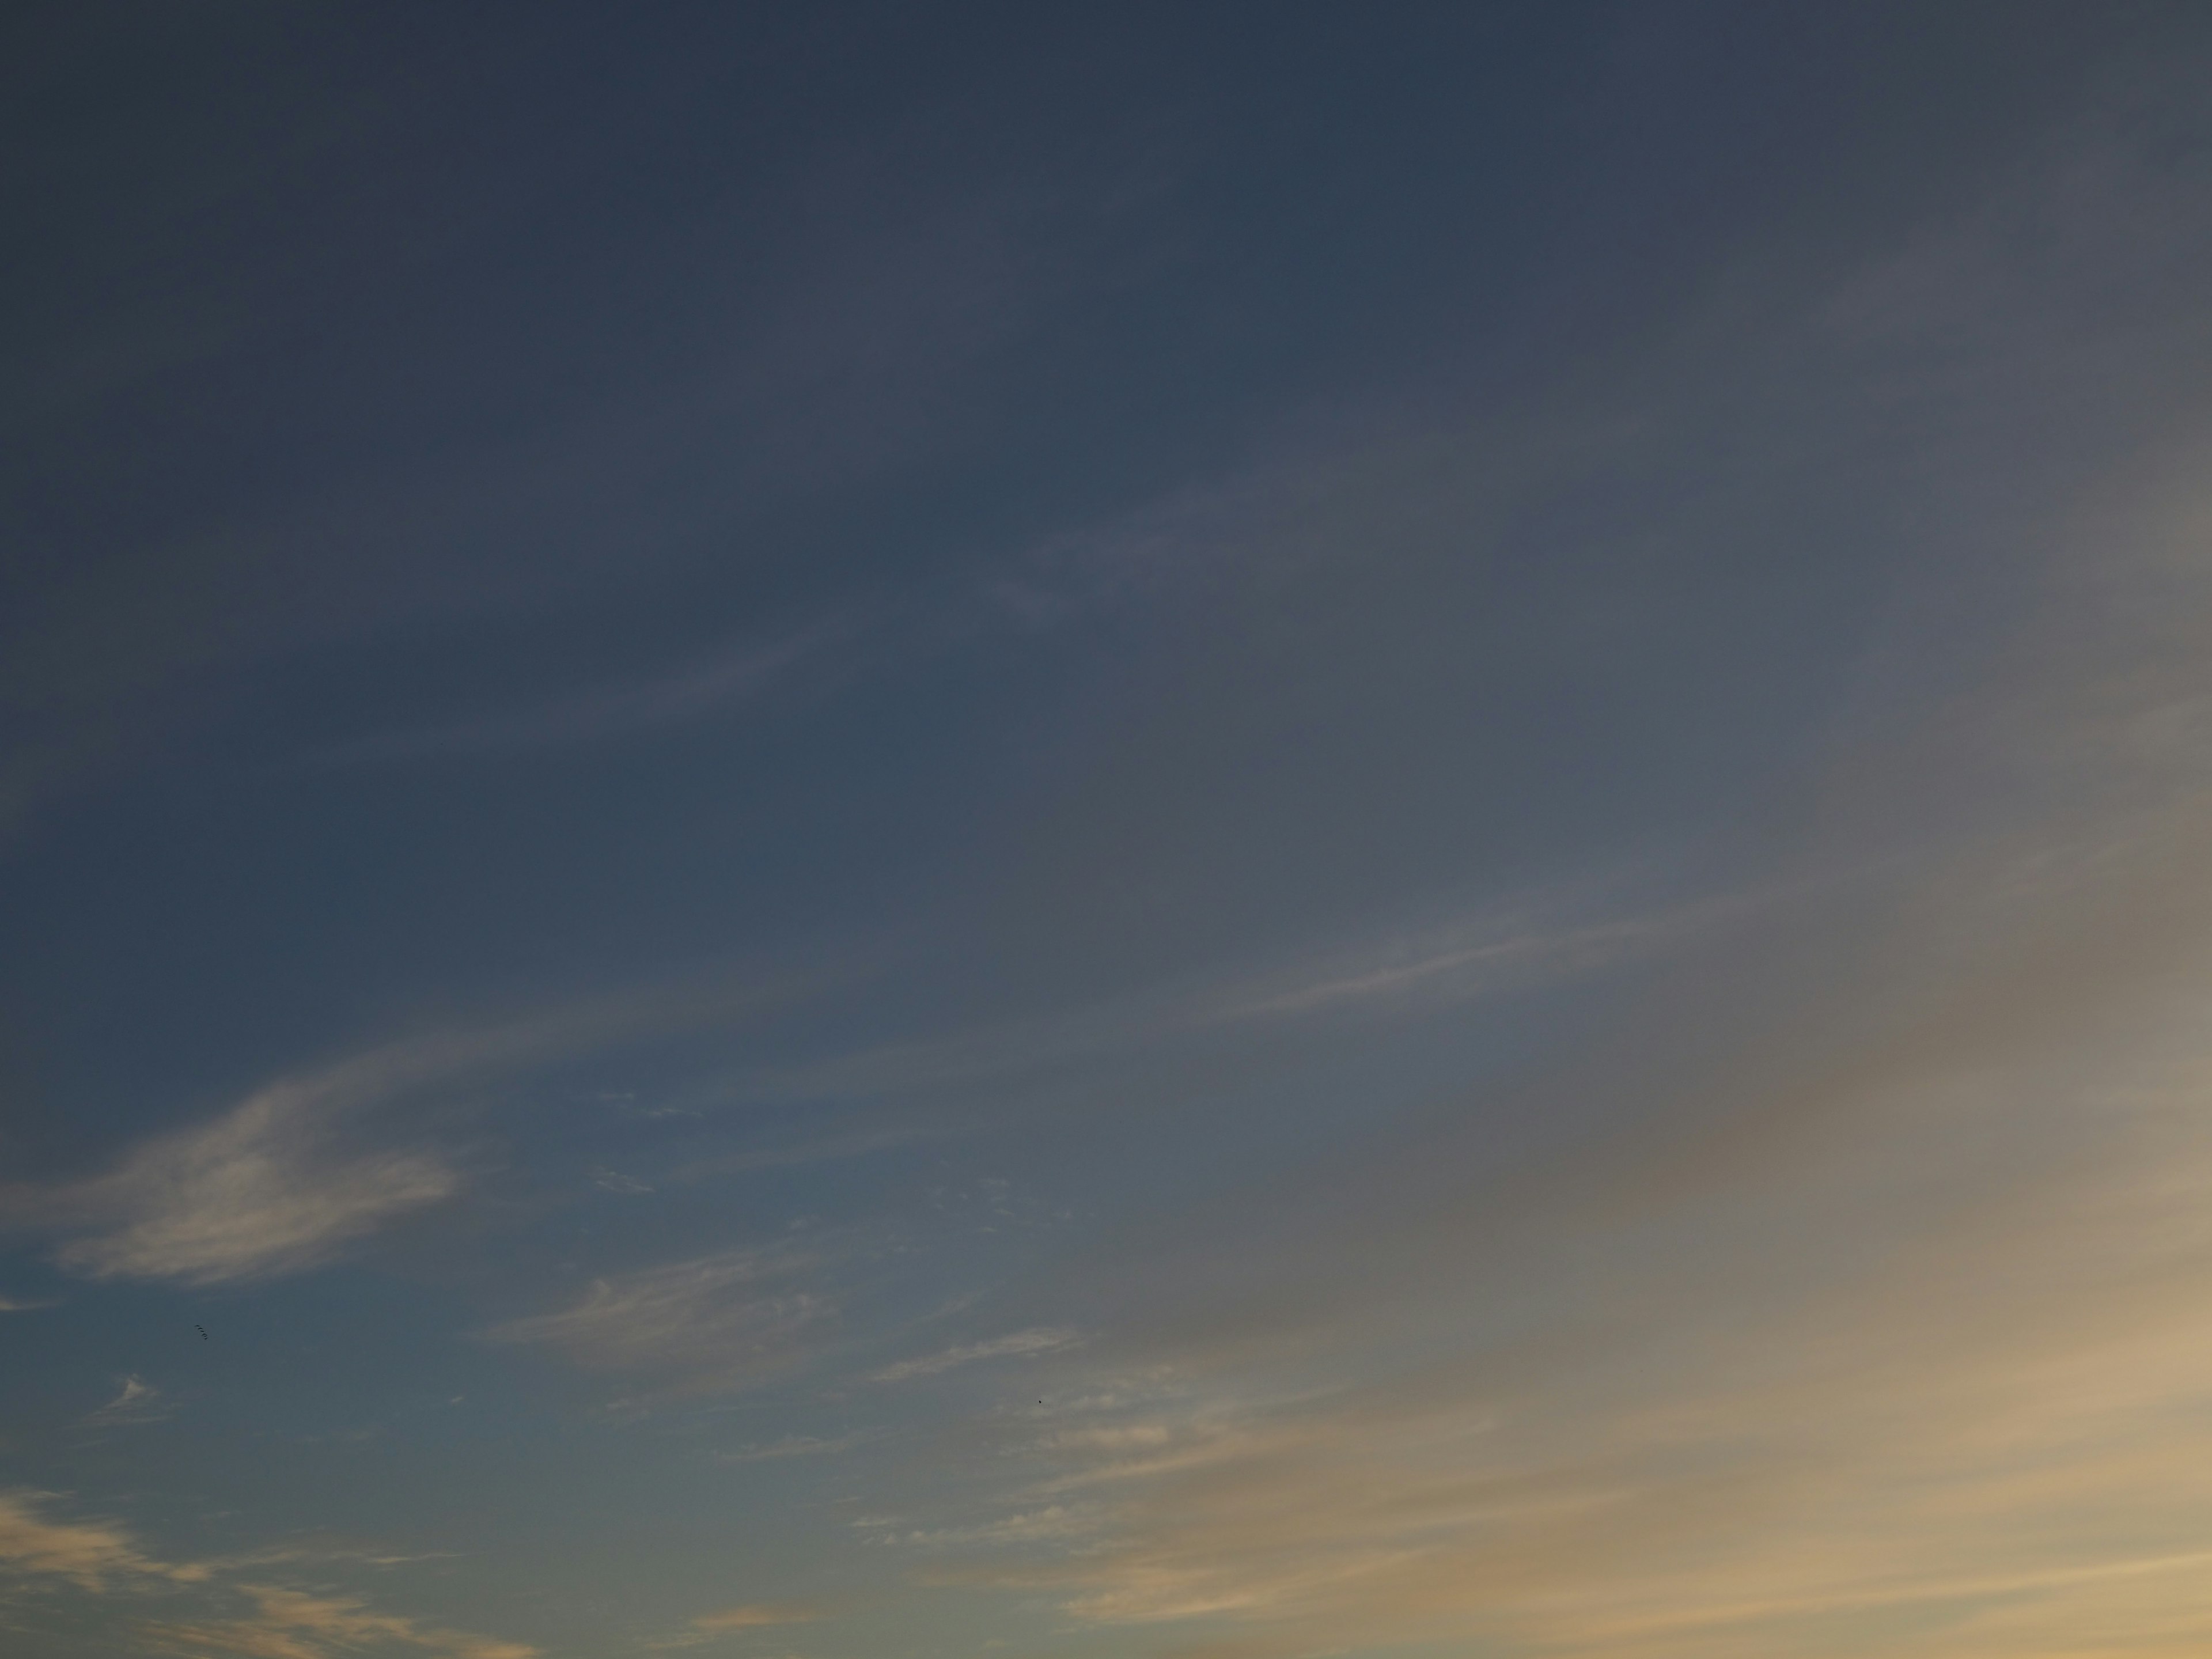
(102, 1558)
(758, 1615)
(290, 1624)
(91, 1554)
(739, 1621)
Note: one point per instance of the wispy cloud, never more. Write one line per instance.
(1873, 1323)
(264, 1191)
(1452, 963)
(139, 1401)
(707, 1325)
(1873, 1326)
(694, 693)
(2009, 1388)
(828, 1149)
(1193, 535)
(758, 1615)
(739, 1620)
(1021, 1344)
(93, 1555)
(16, 1304)
(798, 1445)
(1455, 960)
(269, 1187)
(101, 1558)
(288, 1624)
(1053, 1523)
(301, 1169)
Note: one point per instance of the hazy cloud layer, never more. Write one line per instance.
(1513, 706)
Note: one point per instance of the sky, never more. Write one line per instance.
(959, 831)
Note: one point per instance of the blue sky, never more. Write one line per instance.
(1228, 832)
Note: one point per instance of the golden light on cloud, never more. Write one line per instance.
(757, 1615)
(1191, 833)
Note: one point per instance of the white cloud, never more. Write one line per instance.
(275, 1185)
(265, 1189)
(293, 1175)
(712, 1323)
(1052, 1523)
(1025, 1343)
(139, 1401)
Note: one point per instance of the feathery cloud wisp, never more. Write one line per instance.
(290, 1177)
(101, 1558)
(690, 694)
(706, 1325)
(140, 1401)
(92, 1554)
(1041, 1339)
(289, 1624)
(796, 1445)
(738, 1621)
(758, 1615)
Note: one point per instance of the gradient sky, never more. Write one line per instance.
(884, 831)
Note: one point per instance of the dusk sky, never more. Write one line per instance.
(1216, 831)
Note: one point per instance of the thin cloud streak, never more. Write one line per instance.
(713, 1324)
(710, 688)
(1023, 1344)
(830, 1149)
(738, 1621)
(759, 1615)
(798, 1445)
(1460, 962)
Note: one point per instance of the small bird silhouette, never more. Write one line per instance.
(202, 1329)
